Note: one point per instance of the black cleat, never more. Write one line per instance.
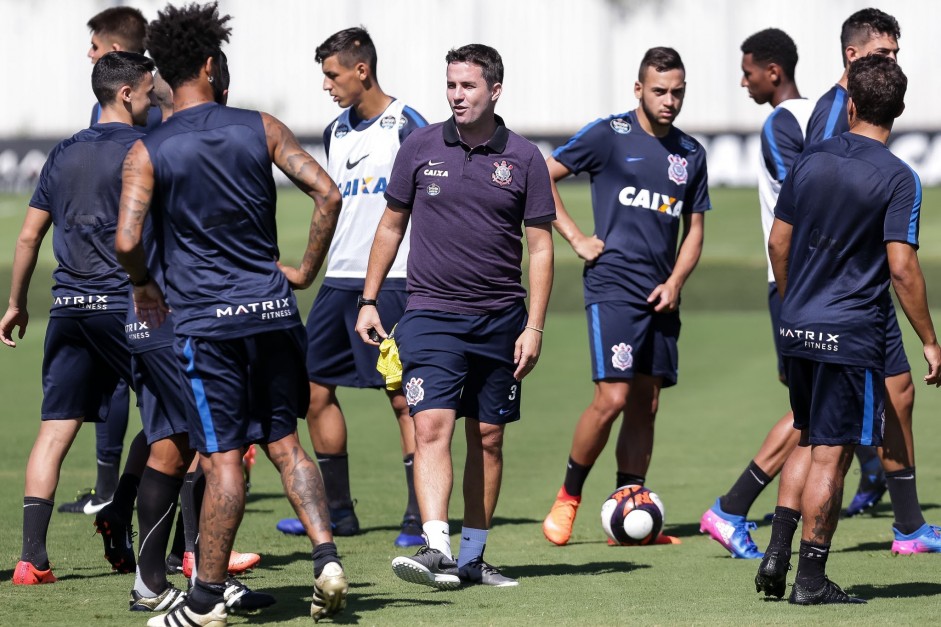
(344, 521)
(772, 575)
(827, 594)
(174, 564)
(117, 535)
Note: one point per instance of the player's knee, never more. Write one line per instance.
(610, 401)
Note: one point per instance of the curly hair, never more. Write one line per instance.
(182, 38)
(877, 86)
(772, 45)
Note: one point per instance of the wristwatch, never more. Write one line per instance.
(362, 302)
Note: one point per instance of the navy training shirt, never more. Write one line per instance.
(845, 197)
(830, 117)
(468, 207)
(80, 186)
(214, 216)
(640, 186)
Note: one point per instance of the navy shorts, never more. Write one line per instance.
(774, 308)
(243, 390)
(83, 360)
(462, 362)
(162, 393)
(336, 355)
(896, 362)
(627, 339)
(837, 404)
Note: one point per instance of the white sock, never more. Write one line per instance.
(473, 542)
(437, 536)
(141, 588)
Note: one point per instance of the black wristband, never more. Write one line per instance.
(140, 283)
(362, 302)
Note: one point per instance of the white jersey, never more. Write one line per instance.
(782, 140)
(359, 159)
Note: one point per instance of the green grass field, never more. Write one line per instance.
(708, 428)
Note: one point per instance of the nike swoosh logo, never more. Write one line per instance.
(350, 165)
(503, 412)
(756, 478)
(434, 163)
(633, 159)
(466, 538)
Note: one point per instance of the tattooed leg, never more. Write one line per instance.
(303, 486)
(223, 507)
(823, 492)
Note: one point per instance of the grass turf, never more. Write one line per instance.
(708, 427)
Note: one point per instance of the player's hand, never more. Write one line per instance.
(526, 352)
(933, 357)
(664, 298)
(297, 279)
(149, 304)
(11, 319)
(588, 248)
(369, 327)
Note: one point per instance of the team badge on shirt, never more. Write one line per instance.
(677, 169)
(622, 359)
(414, 393)
(620, 126)
(388, 121)
(503, 173)
(433, 190)
(341, 131)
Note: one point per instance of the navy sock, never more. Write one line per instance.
(783, 528)
(179, 537)
(191, 500)
(156, 511)
(36, 515)
(626, 478)
(203, 596)
(812, 565)
(904, 494)
(323, 554)
(738, 500)
(336, 479)
(575, 476)
(411, 510)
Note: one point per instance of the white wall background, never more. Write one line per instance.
(568, 61)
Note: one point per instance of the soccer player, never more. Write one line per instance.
(239, 337)
(866, 32)
(471, 190)
(769, 58)
(647, 177)
(114, 29)
(833, 265)
(85, 352)
(361, 145)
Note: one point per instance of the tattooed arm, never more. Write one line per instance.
(310, 178)
(137, 190)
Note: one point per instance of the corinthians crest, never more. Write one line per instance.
(622, 359)
(677, 169)
(414, 392)
(503, 173)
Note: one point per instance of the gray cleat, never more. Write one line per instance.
(428, 567)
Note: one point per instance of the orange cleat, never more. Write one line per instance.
(25, 574)
(557, 527)
(238, 562)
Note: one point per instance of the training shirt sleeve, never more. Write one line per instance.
(698, 186)
(784, 209)
(413, 120)
(42, 196)
(587, 151)
(904, 207)
(781, 143)
(540, 206)
(401, 190)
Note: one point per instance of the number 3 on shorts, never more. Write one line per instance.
(512, 395)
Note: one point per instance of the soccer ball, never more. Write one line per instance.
(632, 515)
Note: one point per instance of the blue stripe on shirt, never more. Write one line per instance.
(836, 109)
(768, 131)
(916, 210)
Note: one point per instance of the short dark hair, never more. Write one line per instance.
(861, 26)
(116, 69)
(662, 59)
(124, 24)
(181, 39)
(353, 45)
(487, 58)
(772, 45)
(877, 86)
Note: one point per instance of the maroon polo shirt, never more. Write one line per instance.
(468, 206)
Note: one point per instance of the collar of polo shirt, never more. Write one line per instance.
(496, 143)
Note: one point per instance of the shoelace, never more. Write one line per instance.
(748, 526)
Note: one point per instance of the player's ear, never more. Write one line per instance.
(362, 70)
(774, 73)
(495, 91)
(851, 111)
(125, 93)
(638, 89)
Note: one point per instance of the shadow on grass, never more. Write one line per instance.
(907, 590)
(294, 601)
(685, 530)
(591, 568)
(864, 547)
